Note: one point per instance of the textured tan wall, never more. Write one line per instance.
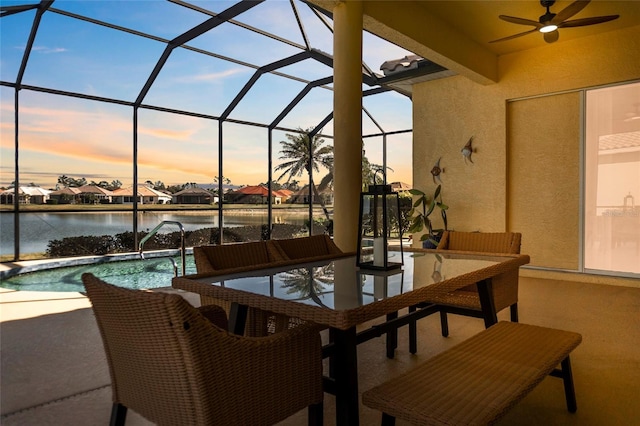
(445, 116)
(448, 111)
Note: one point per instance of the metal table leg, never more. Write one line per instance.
(346, 377)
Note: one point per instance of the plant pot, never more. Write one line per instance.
(427, 244)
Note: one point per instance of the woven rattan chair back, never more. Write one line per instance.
(174, 367)
(486, 242)
(308, 247)
(213, 258)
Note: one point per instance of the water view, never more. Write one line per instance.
(38, 228)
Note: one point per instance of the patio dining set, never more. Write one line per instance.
(253, 352)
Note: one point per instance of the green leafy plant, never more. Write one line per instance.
(422, 209)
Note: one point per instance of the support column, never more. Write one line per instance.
(347, 121)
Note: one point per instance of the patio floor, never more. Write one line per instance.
(53, 369)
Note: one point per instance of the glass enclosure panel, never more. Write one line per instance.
(290, 157)
(76, 152)
(100, 68)
(245, 163)
(390, 110)
(274, 17)
(372, 162)
(266, 99)
(400, 159)
(242, 44)
(7, 171)
(14, 33)
(194, 82)
(158, 18)
(177, 170)
(318, 28)
(311, 110)
(309, 70)
(612, 172)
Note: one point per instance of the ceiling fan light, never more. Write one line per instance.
(548, 28)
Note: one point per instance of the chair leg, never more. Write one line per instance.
(388, 420)
(413, 333)
(444, 323)
(569, 390)
(118, 414)
(514, 312)
(316, 414)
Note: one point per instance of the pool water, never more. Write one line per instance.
(134, 274)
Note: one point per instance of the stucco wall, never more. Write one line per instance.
(448, 111)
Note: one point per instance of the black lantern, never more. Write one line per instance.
(379, 221)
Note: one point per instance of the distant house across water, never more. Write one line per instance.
(145, 195)
(257, 194)
(26, 195)
(194, 196)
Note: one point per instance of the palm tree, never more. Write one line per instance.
(301, 156)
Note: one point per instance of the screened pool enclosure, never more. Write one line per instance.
(118, 115)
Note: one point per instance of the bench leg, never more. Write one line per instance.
(388, 420)
(413, 333)
(392, 337)
(444, 323)
(569, 390)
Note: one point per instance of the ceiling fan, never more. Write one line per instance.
(549, 23)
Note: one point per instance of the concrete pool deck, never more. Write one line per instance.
(54, 371)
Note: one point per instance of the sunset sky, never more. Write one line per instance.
(84, 138)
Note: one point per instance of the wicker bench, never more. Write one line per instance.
(479, 380)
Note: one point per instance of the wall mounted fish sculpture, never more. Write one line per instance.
(436, 170)
(467, 150)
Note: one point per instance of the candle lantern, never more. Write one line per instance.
(379, 223)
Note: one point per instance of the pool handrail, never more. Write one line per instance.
(182, 245)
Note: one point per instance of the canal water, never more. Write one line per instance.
(38, 228)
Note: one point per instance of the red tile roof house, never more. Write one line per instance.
(256, 194)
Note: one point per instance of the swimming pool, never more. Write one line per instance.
(136, 274)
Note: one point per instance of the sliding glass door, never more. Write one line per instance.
(612, 180)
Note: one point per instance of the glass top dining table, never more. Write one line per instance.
(337, 294)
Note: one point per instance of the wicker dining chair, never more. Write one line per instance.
(218, 259)
(171, 364)
(466, 301)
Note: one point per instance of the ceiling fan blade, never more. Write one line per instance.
(569, 11)
(514, 36)
(552, 36)
(587, 21)
(521, 21)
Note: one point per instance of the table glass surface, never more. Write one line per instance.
(338, 284)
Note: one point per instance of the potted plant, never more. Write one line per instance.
(420, 212)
